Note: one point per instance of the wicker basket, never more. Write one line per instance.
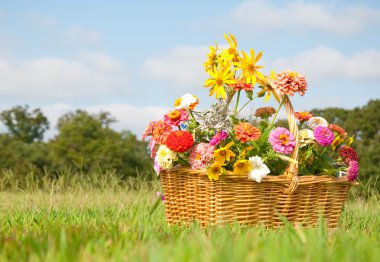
(191, 196)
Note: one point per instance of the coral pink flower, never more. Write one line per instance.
(149, 130)
(241, 85)
(201, 155)
(289, 82)
(338, 129)
(246, 132)
(160, 131)
(176, 117)
(282, 140)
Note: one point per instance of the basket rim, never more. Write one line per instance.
(282, 179)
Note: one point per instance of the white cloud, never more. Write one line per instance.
(324, 63)
(128, 117)
(39, 20)
(87, 75)
(260, 15)
(77, 35)
(181, 67)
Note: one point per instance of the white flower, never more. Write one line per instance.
(165, 157)
(259, 169)
(313, 122)
(187, 101)
(306, 136)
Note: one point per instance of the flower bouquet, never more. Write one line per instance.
(219, 166)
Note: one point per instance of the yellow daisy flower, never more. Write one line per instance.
(248, 65)
(214, 171)
(210, 63)
(219, 78)
(223, 154)
(242, 167)
(230, 53)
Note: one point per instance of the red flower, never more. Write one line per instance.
(348, 154)
(179, 141)
(303, 116)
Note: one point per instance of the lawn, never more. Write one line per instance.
(113, 223)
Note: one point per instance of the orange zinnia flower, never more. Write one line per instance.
(246, 132)
(303, 116)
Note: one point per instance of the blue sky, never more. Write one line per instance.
(134, 58)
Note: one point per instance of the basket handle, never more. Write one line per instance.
(291, 172)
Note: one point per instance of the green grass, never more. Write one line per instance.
(78, 222)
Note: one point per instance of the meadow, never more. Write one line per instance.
(101, 218)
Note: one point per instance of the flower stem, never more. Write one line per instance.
(191, 115)
(182, 161)
(278, 109)
(237, 102)
(249, 101)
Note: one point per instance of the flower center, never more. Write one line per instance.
(177, 102)
(293, 74)
(251, 68)
(284, 139)
(174, 114)
(178, 134)
(231, 50)
(223, 152)
(198, 157)
(215, 169)
(219, 81)
(240, 165)
(248, 130)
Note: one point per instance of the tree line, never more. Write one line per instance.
(85, 142)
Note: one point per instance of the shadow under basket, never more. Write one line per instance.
(190, 196)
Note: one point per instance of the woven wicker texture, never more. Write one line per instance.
(190, 195)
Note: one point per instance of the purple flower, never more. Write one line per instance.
(218, 137)
(323, 135)
(353, 170)
(159, 194)
(282, 140)
(157, 167)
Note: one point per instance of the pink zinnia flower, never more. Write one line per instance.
(288, 82)
(201, 155)
(323, 135)
(282, 140)
(353, 170)
(176, 117)
(218, 137)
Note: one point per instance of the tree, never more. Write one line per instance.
(24, 125)
(87, 142)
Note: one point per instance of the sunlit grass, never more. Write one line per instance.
(74, 221)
